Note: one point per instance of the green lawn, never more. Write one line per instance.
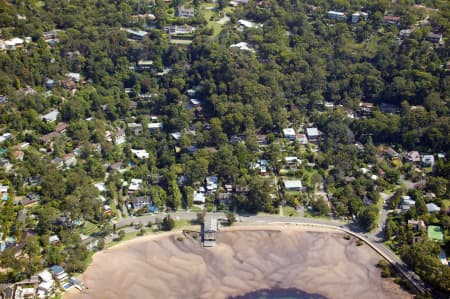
(289, 211)
(88, 229)
(212, 16)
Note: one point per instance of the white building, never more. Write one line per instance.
(140, 154)
(293, 185)
(289, 133)
(135, 185)
(336, 15)
(51, 116)
(358, 16)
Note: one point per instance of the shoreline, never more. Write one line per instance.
(156, 247)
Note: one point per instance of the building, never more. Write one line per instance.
(183, 12)
(435, 37)
(391, 20)
(336, 15)
(289, 133)
(59, 274)
(135, 185)
(417, 225)
(243, 46)
(155, 127)
(70, 160)
(51, 116)
(413, 156)
(358, 16)
(140, 202)
(406, 202)
(46, 287)
(135, 128)
(292, 185)
(428, 160)
(313, 134)
(433, 208)
(75, 77)
(119, 137)
(136, 34)
(30, 200)
(140, 154)
(209, 232)
(199, 197)
(144, 65)
(179, 29)
(211, 184)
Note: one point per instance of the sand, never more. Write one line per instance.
(244, 260)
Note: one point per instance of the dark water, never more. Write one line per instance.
(279, 294)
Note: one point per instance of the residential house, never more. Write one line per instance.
(155, 127)
(4, 189)
(413, 156)
(417, 225)
(366, 107)
(392, 154)
(391, 20)
(18, 155)
(289, 133)
(302, 139)
(144, 65)
(135, 185)
(261, 139)
(428, 160)
(434, 37)
(243, 46)
(292, 185)
(260, 165)
(5, 137)
(45, 139)
(61, 127)
(179, 29)
(119, 136)
(140, 154)
(70, 160)
(405, 32)
(433, 208)
(30, 200)
(406, 202)
(76, 77)
(183, 12)
(24, 292)
(54, 240)
(51, 116)
(46, 287)
(199, 197)
(211, 184)
(135, 128)
(140, 202)
(292, 162)
(136, 34)
(224, 198)
(58, 162)
(358, 16)
(59, 274)
(313, 134)
(337, 15)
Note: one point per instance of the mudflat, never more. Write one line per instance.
(245, 259)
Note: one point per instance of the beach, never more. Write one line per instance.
(245, 259)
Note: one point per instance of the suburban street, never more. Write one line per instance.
(374, 239)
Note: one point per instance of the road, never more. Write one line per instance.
(374, 239)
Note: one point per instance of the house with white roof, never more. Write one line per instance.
(291, 161)
(432, 207)
(211, 183)
(135, 185)
(293, 185)
(140, 154)
(313, 134)
(428, 160)
(199, 197)
(51, 116)
(155, 126)
(289, 133)
(242, 46)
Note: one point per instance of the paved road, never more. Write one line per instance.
(374, 240)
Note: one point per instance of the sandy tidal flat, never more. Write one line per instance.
(243, 261)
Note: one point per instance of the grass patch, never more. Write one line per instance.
(88, 229)
(290, 211)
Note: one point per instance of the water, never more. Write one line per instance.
(279, 294)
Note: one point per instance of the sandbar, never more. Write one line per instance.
(245, 259)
